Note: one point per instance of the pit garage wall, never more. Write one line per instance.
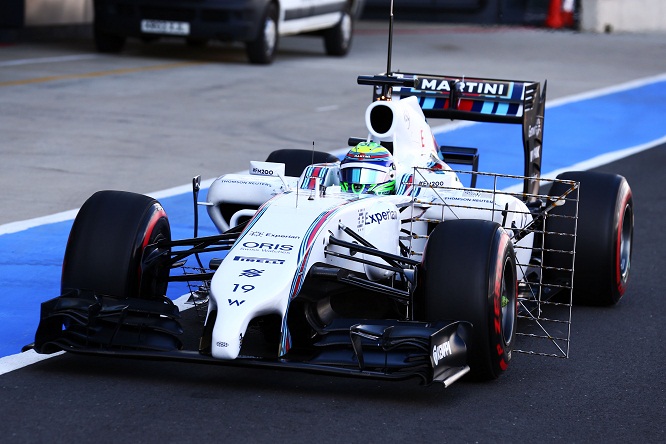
(623, 15)
(57, 12)
(595, 16)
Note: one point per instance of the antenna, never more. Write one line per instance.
(387, 81)
(313, 151)
(386, 89)
(390, 41)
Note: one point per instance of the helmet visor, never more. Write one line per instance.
(363, 175)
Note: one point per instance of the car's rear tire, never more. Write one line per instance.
(603, 240)
(338, 39)
(107, 245)
(296, 160)
(469, 274)
(262, 49)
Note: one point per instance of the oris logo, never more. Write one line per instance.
(441, 351)
(267, 246)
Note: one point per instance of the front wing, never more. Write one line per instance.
(91, 324)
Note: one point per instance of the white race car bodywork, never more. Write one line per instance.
(288, 233)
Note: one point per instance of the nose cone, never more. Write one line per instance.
(226, 348)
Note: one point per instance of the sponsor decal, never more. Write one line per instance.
(262, 171)
(468, 199)
(252, 272)
(267, 247)
(235, 302)
(473, 87)
(273, 235)
(432, 183)
(441, 351)
(245, 182)
(259, 260)
(534, 131)
(222, 344)
(534, 152)
(361, 219)
(379, 217)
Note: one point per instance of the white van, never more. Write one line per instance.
(257, 23)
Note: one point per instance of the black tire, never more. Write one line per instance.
(107, 243)
(338, 39)
(196, 43)
(262, 49)
(107, 43)
(296, 161)
(469, 274)
(603, 241)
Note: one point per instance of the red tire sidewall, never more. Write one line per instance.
(500, 349)
(624, 204)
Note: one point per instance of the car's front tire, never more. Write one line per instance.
(469, 274)
(109, 242)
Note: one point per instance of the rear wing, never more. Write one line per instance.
(479, 100)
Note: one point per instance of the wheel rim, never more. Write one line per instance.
(625, 244)
(270, 35)
(508, 303)
(346, 29)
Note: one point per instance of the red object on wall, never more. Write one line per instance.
(560, 14)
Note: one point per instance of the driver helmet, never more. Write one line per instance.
(368, 168)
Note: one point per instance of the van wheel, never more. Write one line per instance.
(107, 43)
(338, 39)
(262, 49)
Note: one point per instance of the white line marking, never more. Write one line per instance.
(15, 227)
(20, 360)
(594, 162)
(606, 158)
(70, 58)
(608, 90)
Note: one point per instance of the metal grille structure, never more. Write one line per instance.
(545, 292)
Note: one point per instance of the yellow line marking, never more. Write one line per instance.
(90, 75)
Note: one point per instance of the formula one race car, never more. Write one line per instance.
(386, 263)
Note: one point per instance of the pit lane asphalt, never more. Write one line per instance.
(611, 389)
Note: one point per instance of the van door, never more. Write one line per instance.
(311, 15)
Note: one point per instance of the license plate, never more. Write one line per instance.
(165, 27)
